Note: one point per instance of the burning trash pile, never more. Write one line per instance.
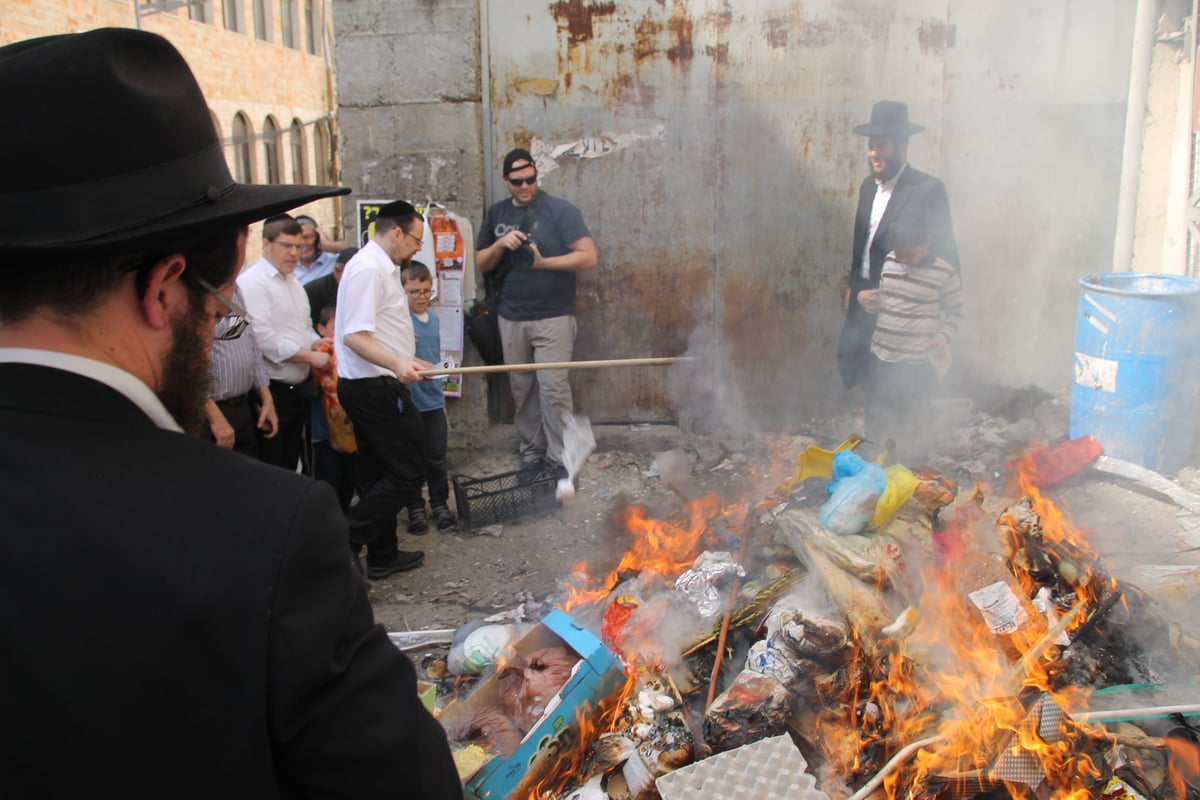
(887, 634)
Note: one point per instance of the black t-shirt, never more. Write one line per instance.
(553, 224)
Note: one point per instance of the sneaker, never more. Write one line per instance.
(418, 523)
(403, 561)
(444, 519)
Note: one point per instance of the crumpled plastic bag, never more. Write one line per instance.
(901, 485)
(854, 490)
(528, 686)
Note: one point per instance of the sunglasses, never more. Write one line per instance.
(530, 181)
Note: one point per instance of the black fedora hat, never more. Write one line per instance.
(111, 146)
(889, 118)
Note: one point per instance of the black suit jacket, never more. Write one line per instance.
(917, 200)
(179, 620)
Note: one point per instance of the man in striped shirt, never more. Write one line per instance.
(238, 400)
(918, 308)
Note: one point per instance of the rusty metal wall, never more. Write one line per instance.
(709, 145)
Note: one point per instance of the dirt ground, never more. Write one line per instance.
(520, 566)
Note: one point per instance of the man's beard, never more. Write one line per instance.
(185, 374)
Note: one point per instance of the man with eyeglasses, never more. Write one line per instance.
(178, 620)
(534, 243)
(375, 346)
(281, 322)
(239, 383)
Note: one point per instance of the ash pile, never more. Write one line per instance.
(862, 630)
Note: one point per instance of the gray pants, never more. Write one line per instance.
(543, 398)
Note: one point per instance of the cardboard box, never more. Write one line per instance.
(595, 678)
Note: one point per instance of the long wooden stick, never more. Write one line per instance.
(612, 362)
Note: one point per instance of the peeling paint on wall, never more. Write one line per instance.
(575, 16)
(547, 155)
(935, 36)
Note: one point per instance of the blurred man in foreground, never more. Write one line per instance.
(178, 621)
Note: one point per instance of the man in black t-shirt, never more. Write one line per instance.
(534, 243)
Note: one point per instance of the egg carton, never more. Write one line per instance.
(769, 769)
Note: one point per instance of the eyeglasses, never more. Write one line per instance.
(238, 320)
(419, 292)
(420, 242)
(530, 181)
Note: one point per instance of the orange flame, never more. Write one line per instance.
(662, 548)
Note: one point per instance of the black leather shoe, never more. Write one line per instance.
(403, 561)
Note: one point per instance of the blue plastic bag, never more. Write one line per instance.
(854, 490)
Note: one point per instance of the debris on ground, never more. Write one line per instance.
(966, 639)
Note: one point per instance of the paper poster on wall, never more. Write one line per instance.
(451, 286)
(450, 320)
(451, 384)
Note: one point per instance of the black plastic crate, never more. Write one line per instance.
(500, 498)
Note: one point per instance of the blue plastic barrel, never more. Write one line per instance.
(1137, 367)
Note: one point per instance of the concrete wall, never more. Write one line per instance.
(236, 71)
(709, 144)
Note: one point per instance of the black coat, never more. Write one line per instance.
(918, 200)
(179, 620)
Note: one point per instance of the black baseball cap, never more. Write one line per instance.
(517, 159)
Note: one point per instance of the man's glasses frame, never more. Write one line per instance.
(239, 317)
(530, 181)
(420, 242)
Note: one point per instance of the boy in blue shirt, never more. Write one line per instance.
(430, 399)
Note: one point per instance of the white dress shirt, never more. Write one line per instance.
(883, 196)
(372, 299)
(279, 319)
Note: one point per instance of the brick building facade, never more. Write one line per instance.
(266, 68)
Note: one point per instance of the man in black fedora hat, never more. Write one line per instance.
(894, 192)
(178, 621)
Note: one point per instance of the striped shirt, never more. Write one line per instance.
(236, 364)
(915, 305)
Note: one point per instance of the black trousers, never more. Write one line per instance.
(292, 405)
(339, 470)
(437, 477)
(391, 460)
(241, 413)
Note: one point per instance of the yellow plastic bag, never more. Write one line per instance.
(901, 484)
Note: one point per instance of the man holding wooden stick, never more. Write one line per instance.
(537, 242)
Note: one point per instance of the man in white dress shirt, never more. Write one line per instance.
(376, 356)
(282, 325)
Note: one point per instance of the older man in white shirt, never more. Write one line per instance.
(282, 325)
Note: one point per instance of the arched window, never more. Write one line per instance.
(323, 152)
(310, 26)
(299, 154)
(216, 121)
(287, 22)
(262, 29)
(232, 11)
(243, 153)
(271, 152)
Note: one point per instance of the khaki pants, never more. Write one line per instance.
(543, 398)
